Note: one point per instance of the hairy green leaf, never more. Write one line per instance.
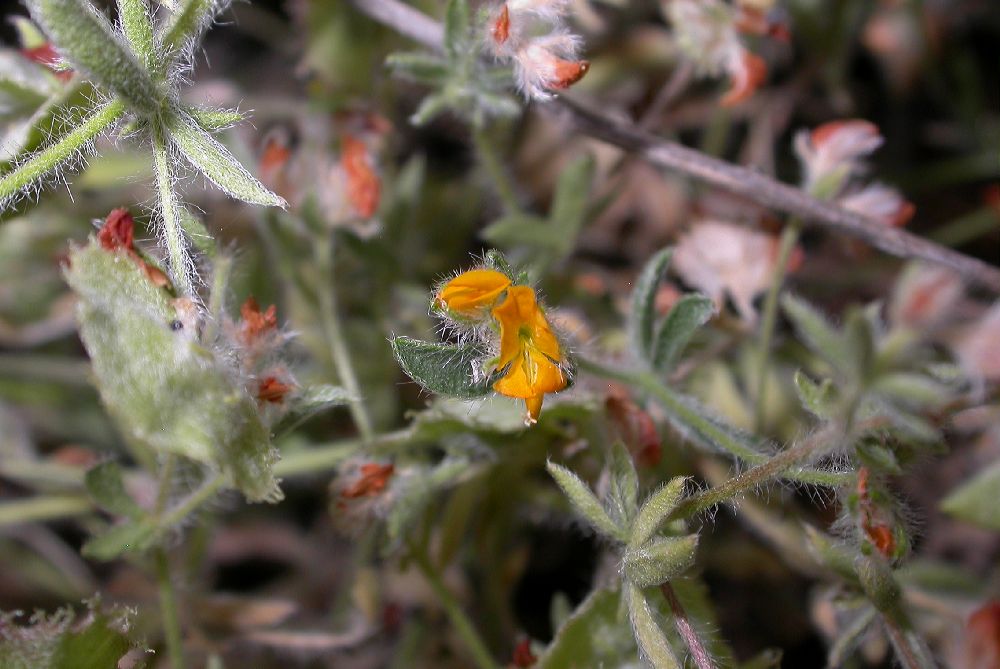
(817, 333)
(584, 502)
(161, 386)
(452, 370)
(131, 537)
(656, 509)
(624, 486)
(593, 636)
(217, 164)
(653, 644)
(133, 15)
(456, 27)
(642, 316)
(659, 560)
(818, 398)
(419, 66)
(976, 500)
(105, 484)
(86, 38)
(687, 315)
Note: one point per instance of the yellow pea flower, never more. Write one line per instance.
(472, 293)
(531, 350)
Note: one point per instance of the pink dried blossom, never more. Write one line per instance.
(834, 150)
(879, 202)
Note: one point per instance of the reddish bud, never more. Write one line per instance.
(255, 322)
(47, 56)
(635, 427)
(858, 128)
(748, 73)
(373, 480)
(270, 389)
(501, 27)
(523, 657)
(118, 231)
(981, 647)
(568, 72)
(363, 184)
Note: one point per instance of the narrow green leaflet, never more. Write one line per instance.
(91, 44)
(456, 27)
(624, 486)
(217, 164)
(418, 66)
(818, 398)
(569, 208)
(687, 315)
(138, 29)
(105, 484)
(452, 370)
(584, 502)
(653, 644)
(214, 120)
(817, 333)
(132, 537)
(642, 315)
(185, 27)
(660, 560)
(160, 385)
(978, 500)
(656, 510)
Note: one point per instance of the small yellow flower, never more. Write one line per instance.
(529, 348)
(472, 293)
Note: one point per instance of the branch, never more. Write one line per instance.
(739, 180)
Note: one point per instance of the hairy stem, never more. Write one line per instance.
(473, 643)
(701, 658)
(685, 415)
(334, 332)
(789, 238)
(774, 468)
(911, 650)
(49, 158)
(168, 611)
(499, 178)
(173, 234)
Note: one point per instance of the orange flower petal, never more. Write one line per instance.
(470, 293)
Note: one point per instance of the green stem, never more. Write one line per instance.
(685, 414)
(495, 170)
(316, 460)
(49, 158)
(222, 265)
(206, 492)
(39, 509)
(473, 643)
(334, 332)
(789, 238)
(168, 611)
(170, 212)
(776, 467)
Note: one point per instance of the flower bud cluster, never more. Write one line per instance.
(532, 35)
